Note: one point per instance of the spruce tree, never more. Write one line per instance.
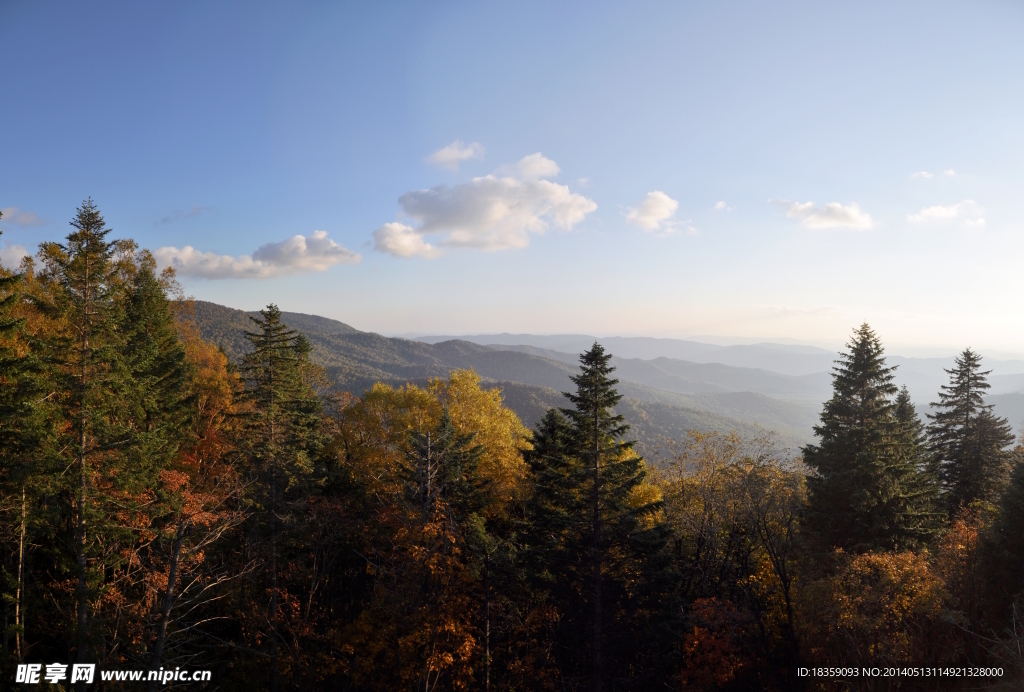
(1003, 543)
(969, 442)
(869, 489)
(282, 439)
(624, 540)
(556, 510)
(914, 471)
(86, 364)
(22, 428)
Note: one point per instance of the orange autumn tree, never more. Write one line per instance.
(883, 608)
(188, 561)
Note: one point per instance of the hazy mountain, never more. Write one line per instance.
(668, 394)
(673, 394)
(785, 359)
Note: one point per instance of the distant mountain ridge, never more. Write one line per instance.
(664, 395)
(355, 360)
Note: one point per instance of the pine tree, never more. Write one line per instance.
(1003, 545)
(623, 536)
(21, 433)
(969, 442)
(86, 364)
(282, 440)
(556, 510)
(914, 471)
(868, 491)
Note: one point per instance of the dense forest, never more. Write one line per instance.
(163, 505)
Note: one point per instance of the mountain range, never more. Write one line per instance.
(669, 385)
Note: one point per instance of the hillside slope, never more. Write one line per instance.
(667, 395)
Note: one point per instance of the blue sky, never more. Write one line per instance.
(776, 170)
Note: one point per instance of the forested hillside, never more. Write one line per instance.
(659, 390)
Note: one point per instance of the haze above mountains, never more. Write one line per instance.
(669, 385)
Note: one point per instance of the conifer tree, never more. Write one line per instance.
(21, 431)
(969, 442)
(867, 492)
(557, 509)
(88, 368)
(622, 536)
(914, 471)
(1003, 545)
(282, 439)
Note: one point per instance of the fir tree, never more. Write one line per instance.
(21, 433)
(623, 535)
(914, 471)
(868, 491)
(1003, 545)
(968, 441)
(87, 366)
(282, 439)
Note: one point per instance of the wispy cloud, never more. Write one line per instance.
(831, 215)
(493, 212)
(451, 156)
(968, 211)
(722, 206)
(180, 214)
(925, 175)
(296, 255)
(20, 217)
(654, 213)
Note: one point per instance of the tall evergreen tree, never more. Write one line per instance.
(88, 368)
(969, 442)
(868, 491)
(1003, 545)
(914, 471)
(625, 540)
(21, 432)
(282, 440)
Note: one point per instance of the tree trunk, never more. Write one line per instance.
(82, 592)
(487, 621)
(165, 608)
(273, 580)
(596, 680)
(21, 581)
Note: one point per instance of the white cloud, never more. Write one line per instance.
(296, 255)
(831, 215)
(493, 212)
(10, 255)
(20, 217)
(928, 174)
(451, 156)
(722, 206)
(401, 241)
(968, 211)
(654, 212)
(533, 167)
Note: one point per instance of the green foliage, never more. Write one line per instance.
(1003, 551)
(968, 441)
(869, 489)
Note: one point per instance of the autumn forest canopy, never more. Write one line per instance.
(165, 503)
